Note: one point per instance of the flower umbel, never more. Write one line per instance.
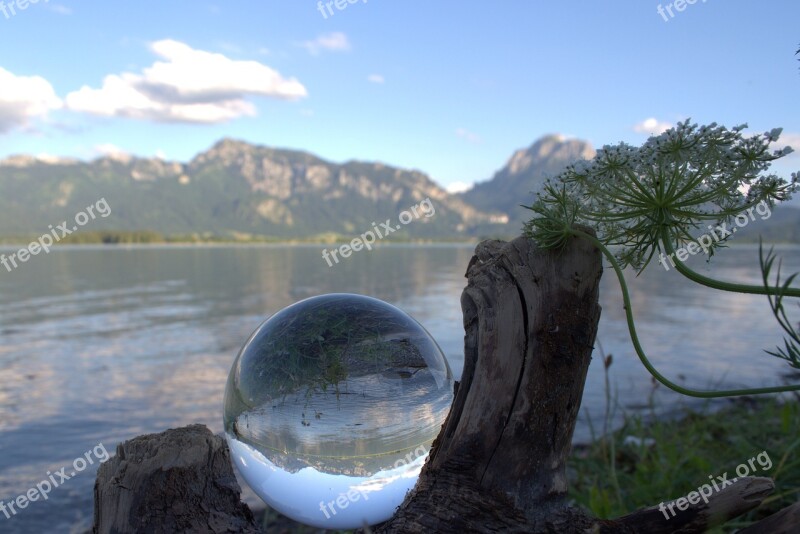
(677, 182)
(652, 199)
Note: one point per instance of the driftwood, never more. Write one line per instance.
(180, 480)
(499, 463)
(732, 501)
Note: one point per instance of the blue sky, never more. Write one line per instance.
(448, 87)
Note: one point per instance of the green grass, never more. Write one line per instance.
(611, 478)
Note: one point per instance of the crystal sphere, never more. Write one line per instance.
(331, 407)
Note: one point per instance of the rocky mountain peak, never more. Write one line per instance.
(548, 151)
(524, 174)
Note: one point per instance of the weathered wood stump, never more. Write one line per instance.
(180, 480)
(499, 464)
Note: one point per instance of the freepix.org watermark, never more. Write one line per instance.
(365, 240)
(326, 7)
(677, 5)
(59, 232)
(707, 490)
(53, 480)
(717, 233)
(9, 9)
(354, 494)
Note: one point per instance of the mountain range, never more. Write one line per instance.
(239, 191)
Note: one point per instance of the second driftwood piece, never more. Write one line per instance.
(180, 480)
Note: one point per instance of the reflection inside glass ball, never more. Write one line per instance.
(331, 407)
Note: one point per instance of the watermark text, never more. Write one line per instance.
(10, 9)
(719, 233)
(354, 494)
(707, 490)
(42, 489)
(326, 8)
(365, 240)
(678, 5)
(59, 232)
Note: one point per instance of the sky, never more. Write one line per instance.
(451, 88)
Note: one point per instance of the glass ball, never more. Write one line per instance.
(331, 407)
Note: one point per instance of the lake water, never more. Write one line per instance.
(101, 344)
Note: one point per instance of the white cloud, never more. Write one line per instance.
(231, 48)
(52, 159)
(376, 78)
(189, 86)
(61, 10)
(23, 98)
(566, 137)
(335, 41)
(458, 187)
(469, 136)
(651, 126)
(788, 139)
(109, 149)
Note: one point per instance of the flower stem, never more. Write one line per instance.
(718, 284)
(640, 351)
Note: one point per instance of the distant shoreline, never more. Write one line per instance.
(244, 244)
(17, 243)
(146, 237)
